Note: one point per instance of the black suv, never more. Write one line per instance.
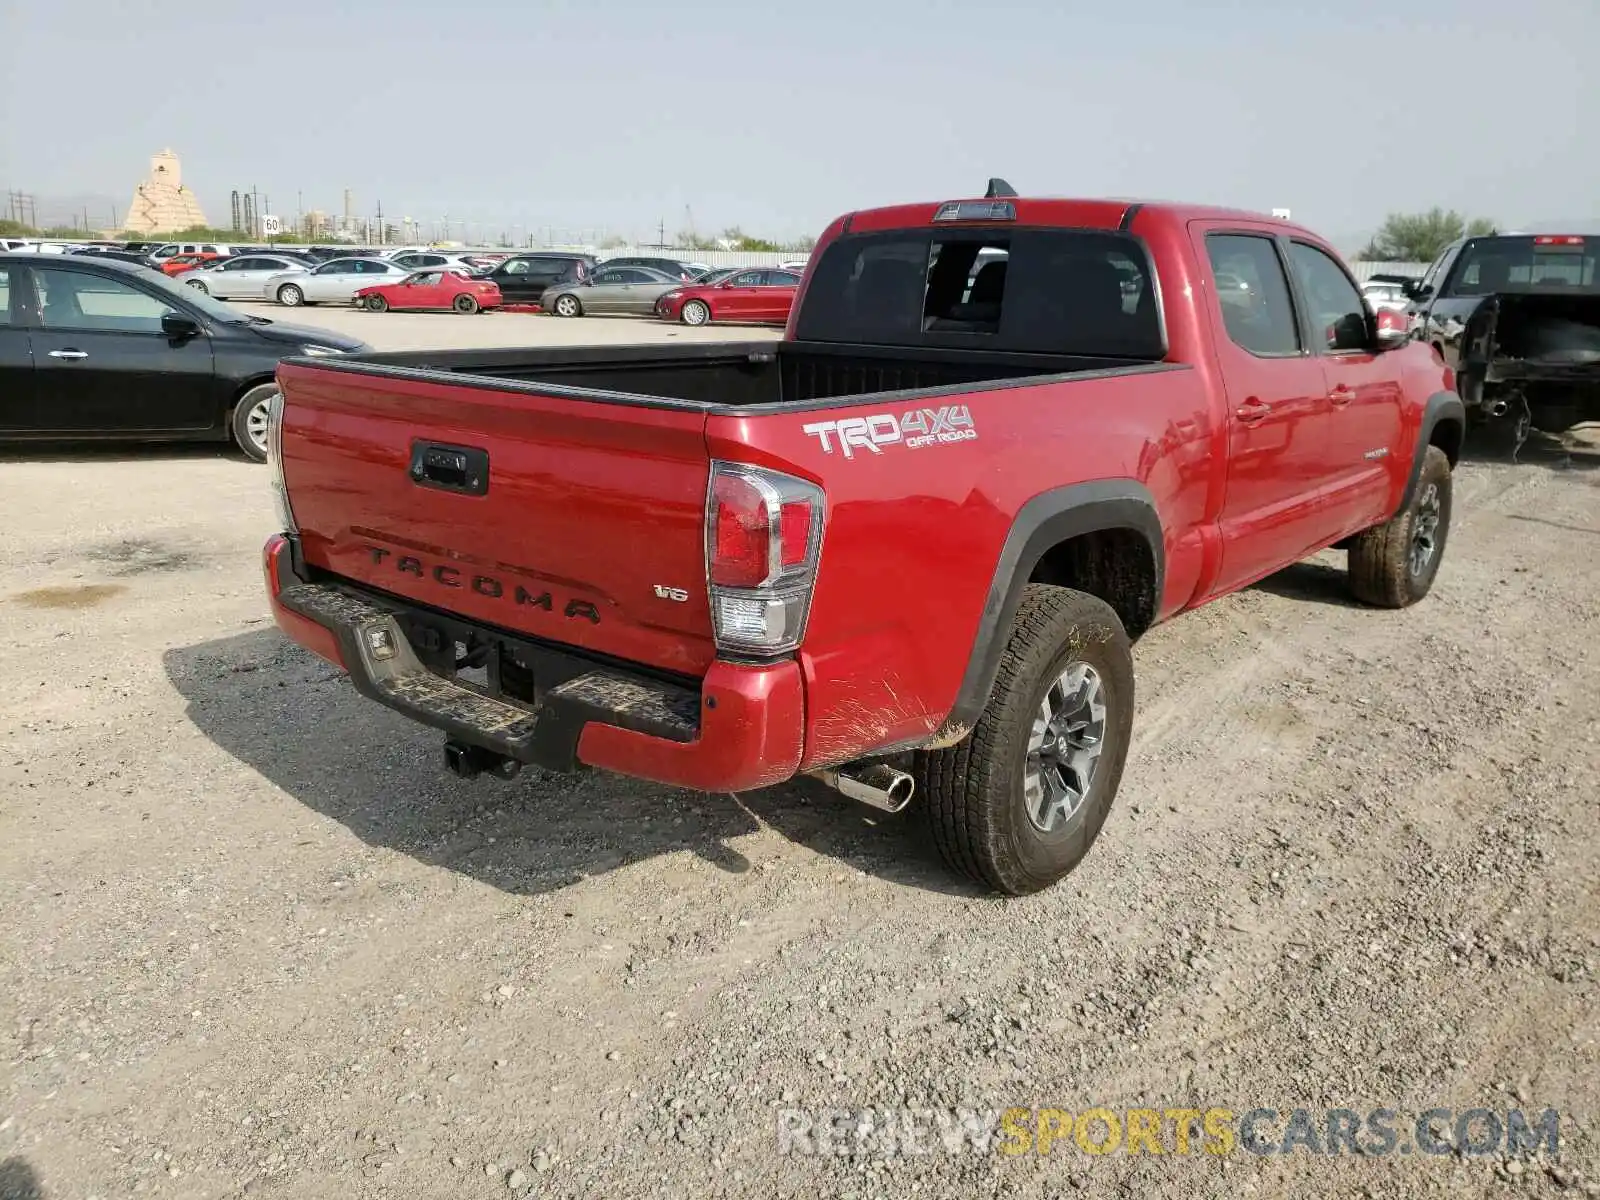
(524, 278)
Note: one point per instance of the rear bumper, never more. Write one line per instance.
(743, 728)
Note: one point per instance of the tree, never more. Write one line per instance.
(738, 239)
(1420, 237)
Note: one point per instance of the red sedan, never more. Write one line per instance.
(760, 295)
(178, 264)
(431, 289)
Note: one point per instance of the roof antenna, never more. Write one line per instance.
(999, 188)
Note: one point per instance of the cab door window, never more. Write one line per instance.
(1334, 307)
(78, 300)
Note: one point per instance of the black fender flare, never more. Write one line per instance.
(1044, 522)
(1442, 408)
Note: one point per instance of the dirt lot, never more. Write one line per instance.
(257, 942)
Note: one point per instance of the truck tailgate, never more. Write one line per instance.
(576, 521)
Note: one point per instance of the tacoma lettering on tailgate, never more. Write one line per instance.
(446, 576)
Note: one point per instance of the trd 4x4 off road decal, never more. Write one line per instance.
(916, 428)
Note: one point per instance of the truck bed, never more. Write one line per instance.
(727, 375)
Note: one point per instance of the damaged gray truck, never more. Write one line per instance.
(1517, 316)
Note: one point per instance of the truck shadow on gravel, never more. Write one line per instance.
(297, 721)
(1578, 451)
(18, 1181)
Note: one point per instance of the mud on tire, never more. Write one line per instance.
(974, 799)
(1394, 564)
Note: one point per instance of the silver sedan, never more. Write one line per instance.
(243, 277)
(620, 290)
(334, 282)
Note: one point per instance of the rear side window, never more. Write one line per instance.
(5, 296)
(1038, 291)
(1253, 293)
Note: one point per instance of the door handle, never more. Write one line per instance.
(1252, 411)
(1342, 395)
(73, 354)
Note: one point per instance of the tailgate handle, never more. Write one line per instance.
(463, 469)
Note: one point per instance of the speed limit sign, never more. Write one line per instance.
(271, 226)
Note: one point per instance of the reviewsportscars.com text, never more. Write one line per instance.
(1180, 1131)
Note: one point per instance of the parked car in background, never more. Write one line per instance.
(1384, 295)
(611, 290)
(436, 288)
(524, 278)
(242, 277)
(416, 260)
(762, 295)
(716, 275)
(333, 282)
(172, 249)
(670, 267)
(1518, 318)
(96, 348)
(178, 264)
(793, 264)
(131, 257)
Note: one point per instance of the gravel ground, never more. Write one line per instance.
(258, 942)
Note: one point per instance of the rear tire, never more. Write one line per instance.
(290, 296)
(377, 304)
(1017, 804)
(695, 312)
(249, 421)
(567, 306)
(1393, 565)
(464, 304)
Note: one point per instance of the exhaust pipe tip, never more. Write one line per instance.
(875, 784)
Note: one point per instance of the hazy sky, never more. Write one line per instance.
(589, 113)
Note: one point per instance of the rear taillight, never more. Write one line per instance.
(280, 488)
(1561, 240)
(763, 541)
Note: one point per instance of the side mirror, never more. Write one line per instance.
(1394, 329)
(177, 326)
(1349, 332)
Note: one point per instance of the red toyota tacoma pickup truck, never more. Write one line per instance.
(905, 549)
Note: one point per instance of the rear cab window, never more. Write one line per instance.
(1526, 264)
(1023, 290)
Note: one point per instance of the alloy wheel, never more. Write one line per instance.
(1064, 747)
